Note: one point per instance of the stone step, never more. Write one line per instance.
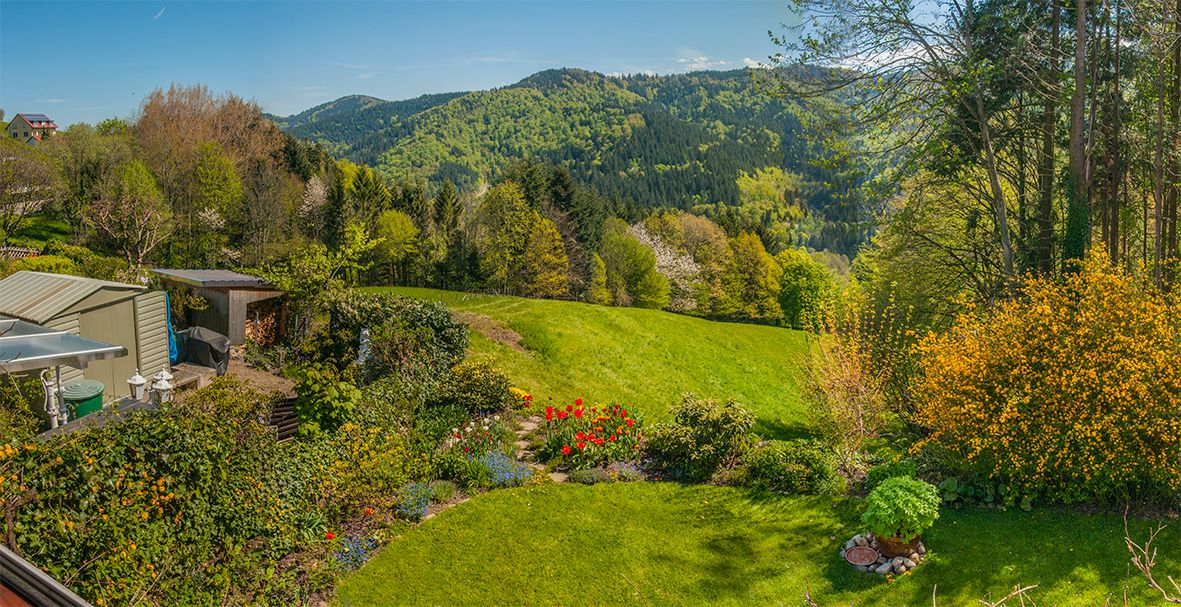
(558, 477)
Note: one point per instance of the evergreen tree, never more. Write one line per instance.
(337, 213)
(544, 265)
(368, 196)
(504, 225)
(598, 293)
(447, 211)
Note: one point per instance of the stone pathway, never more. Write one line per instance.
(524, 454)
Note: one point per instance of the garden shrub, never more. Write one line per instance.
(902, 507)
(201, 476)
(87, 262)
(704, 436)
(477, 386)
(577, 438)
(792, 467)
(390, 403)
(407, 336)
(325, 399)
(435, 424)
(875, 475)
(20, 400)
(590, 476)
(1070, 391)
(443, 491)
(53, 264)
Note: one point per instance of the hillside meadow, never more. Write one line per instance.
(646, 359)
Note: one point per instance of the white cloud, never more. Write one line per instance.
(694, 60)
(366, 75)
(160, 14)
(754, 64)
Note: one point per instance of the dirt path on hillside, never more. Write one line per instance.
(491, 329)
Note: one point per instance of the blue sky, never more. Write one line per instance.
(87, 61)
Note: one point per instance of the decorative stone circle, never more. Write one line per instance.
(861, 552)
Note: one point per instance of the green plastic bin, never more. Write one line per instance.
(83, 397)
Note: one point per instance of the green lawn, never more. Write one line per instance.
(36, 230)
(667, 544)
(643, 358)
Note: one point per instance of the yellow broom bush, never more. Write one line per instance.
(1071, 391)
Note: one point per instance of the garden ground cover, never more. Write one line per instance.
(654, 543)
(645, 359)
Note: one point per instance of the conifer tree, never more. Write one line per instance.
(598, 293)
(545, 265)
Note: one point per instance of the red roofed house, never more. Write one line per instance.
(30, 128)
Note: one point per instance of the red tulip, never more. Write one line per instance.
(569, 407)
(549, 414)
(631, 422)
(566, 450)
(623, 413)
(578, 402)
(578, 413)
(329, 535)
(580, 445)
(580, 435)
(598, 441)
(369, 512)
(613, 438)
(561, 415)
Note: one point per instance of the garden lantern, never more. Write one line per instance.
(162, 390)
(137, 383)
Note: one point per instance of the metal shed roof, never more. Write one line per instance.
(213, 279)
(25, 346)
(38, 296)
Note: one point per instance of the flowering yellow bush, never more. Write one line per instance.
(1071, 391)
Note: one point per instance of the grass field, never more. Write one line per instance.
(667, 544)
(643, 358)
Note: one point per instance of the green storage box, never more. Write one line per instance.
(83, 397)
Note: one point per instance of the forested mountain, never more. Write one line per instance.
(683, 141)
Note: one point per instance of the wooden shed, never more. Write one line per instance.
(240, 306)
(116, 313)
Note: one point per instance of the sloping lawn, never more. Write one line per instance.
(643, 358)
(667, 544)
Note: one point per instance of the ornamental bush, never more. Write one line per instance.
(902, 507)
(704, 436)
(791, 467)
(1070, 391)
(879, 473)
(477, 386)
(325, 399)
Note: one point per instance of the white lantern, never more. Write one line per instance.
(163, 374)
(137, 383)
(163, 390)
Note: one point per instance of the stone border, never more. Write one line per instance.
(884, 566)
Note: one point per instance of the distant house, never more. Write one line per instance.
(30, 128)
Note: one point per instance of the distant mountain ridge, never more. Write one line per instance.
(677, 140)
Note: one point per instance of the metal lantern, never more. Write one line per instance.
(138, 384)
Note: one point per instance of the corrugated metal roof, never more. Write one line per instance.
(38, 296)
(214, 279)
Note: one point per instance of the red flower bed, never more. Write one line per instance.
(578, 437)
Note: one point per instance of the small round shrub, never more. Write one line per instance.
(883, 471)
(590, 476)
(443, 491)
(704, 436)
(477, 386)
(435, 423)
(901, 507)
(792, 467)
(326, 400)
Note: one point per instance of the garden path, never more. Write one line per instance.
(525, 454)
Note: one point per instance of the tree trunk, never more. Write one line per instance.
(1078, 217)
(1045, 216)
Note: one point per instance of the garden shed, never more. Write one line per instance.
(241, 306)
(114, 313)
